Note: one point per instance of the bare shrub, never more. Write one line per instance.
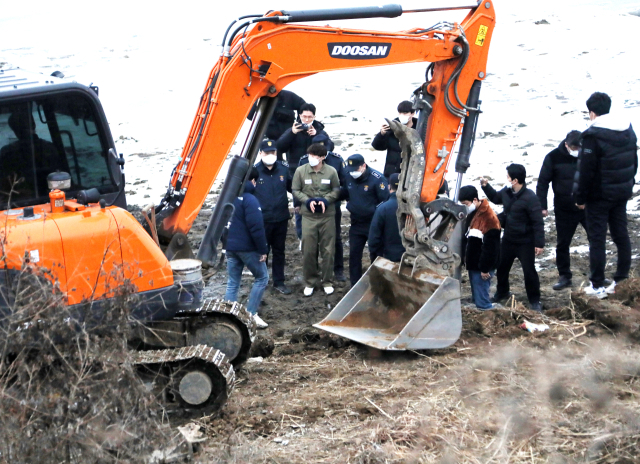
(68, 392)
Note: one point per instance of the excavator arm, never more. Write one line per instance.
(266, 53)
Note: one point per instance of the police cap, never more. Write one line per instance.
(354, 162)
(268, 145)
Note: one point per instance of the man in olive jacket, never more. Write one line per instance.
(317, 187)
(523, 233)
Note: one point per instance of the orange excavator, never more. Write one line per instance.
(62, 190)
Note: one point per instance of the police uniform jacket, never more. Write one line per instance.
(364, 194)
(308, 184)
(384, 235)
(271, 191)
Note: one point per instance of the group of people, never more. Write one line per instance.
(592, 174)
(301, 162)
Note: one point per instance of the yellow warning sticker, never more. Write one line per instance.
(482, 35)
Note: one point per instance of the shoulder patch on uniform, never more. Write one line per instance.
(587, 150)
(336, 155)
(305, 156)
(284, 163)
(376, 174)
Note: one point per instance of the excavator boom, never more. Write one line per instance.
(265, 54)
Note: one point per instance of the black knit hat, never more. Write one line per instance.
(468, 193)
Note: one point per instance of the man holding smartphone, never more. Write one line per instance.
(295, 141)
(386, 139)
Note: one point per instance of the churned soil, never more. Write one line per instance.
(499, 394)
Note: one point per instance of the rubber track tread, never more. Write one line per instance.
(233, 310)
(202, 352)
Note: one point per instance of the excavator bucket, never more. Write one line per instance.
(392, 311)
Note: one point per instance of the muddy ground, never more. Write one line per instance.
(499, 394)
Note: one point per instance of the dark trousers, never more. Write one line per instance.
(599, 214)
(276, 236)
(566, 223)
(526, 254)
(358, 235)
(338, 260)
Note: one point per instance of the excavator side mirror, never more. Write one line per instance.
(116, 164)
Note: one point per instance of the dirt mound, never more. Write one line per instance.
(620, 313)
(262, 346)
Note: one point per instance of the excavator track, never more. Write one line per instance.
(222, 324)
(191, 380)
(219, 324)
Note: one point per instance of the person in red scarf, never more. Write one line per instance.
(481, 245)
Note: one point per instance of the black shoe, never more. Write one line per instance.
(537, 306)
(562, 283)
(500, 298)
(340, 276)
(282, 288)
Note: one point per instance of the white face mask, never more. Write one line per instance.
(574, 153)
(269, 160)
(313, 161)
(404, 118)
(355, 174)
(471, 208)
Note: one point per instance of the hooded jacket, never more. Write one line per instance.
(558, 169)
(523, 221)
(390, 142)
(608, 161)
(246, 230)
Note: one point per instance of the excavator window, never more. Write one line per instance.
(54, 133)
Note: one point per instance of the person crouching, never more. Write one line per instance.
(482, 249)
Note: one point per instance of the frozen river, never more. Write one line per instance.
(151, 64)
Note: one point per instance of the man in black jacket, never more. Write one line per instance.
(386, 139)
(273, 183)
(523, 233)
(481, 251)
(283, 115)
(384, 235)
(559, 169)
(364, 189)
(295, 140)
(606, 173)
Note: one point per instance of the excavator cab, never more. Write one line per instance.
(49, 127)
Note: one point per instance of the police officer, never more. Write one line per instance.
(336, 162)
(364, 189)
(317, 187)
(384, 235)
(273, 183)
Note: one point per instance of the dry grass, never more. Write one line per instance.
(555, 397)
